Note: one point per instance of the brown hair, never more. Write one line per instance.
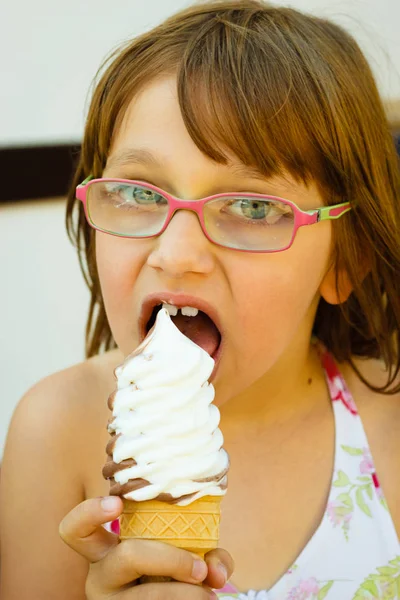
(284, 91)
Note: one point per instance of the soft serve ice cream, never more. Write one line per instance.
(166, 444)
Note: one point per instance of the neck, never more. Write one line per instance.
(291, 388)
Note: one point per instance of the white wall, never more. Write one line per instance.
(43, 300)
(50, 51)
(50, 55)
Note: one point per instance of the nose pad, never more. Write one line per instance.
(182, 247)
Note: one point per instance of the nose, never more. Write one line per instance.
(182, 248)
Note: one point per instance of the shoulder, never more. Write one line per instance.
(69, 392)
(380, 415)
(48, 452)
(54, 434)
(58, 410)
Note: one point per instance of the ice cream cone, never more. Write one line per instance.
(166, 443)
(194, 527)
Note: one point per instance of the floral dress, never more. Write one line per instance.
(355, 553)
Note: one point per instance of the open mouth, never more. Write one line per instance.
(194, 324)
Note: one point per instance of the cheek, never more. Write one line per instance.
(118, 265)
(275, 300)
(280, 293)
(115, 271)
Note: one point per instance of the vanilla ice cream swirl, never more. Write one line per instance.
(166, 444)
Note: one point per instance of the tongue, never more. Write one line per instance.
(200, 329)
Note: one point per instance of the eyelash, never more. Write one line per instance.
(132, 177)
(144, 180)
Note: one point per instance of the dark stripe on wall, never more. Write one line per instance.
(37, 171)
(397, 142)
(46, 171)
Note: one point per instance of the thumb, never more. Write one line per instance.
(220, 568)
(82, 527)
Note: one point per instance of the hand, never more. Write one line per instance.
(116, 566)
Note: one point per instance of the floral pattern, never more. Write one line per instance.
(306, 589)
(229, 592)
(115, 528)
(309, 589)
(251, 595)
(357, 493)
(337, 386)
(383, 585)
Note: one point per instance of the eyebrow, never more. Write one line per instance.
(141, 156)
(133, 156)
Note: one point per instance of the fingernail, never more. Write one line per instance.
(222, 569)
(109, 503)
(199, 570)
(213, 596)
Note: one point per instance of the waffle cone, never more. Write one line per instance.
(194, 527)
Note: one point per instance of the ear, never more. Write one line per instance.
(328, 289)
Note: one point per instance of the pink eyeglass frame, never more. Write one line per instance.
(301, 217)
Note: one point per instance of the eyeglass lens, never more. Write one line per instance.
(239, 222)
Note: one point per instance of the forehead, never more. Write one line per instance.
(152, 115)
(152, 134)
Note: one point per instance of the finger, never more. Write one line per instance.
(220, 568)
(82, 528)
(133, 558)
(167, 591)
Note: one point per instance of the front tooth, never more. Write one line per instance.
(173, 310)
(189, 311)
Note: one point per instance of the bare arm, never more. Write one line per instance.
(40, 483)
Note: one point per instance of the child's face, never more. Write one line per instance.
(266, 302)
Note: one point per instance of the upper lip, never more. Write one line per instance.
(178, 300)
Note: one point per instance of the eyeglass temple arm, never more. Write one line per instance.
(327, 213)
(85, 181)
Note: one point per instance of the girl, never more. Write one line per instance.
(273, 116)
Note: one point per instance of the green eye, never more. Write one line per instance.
(254, 209)
(146, 196)
(131, 196)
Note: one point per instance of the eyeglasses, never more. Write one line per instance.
(247, 222)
